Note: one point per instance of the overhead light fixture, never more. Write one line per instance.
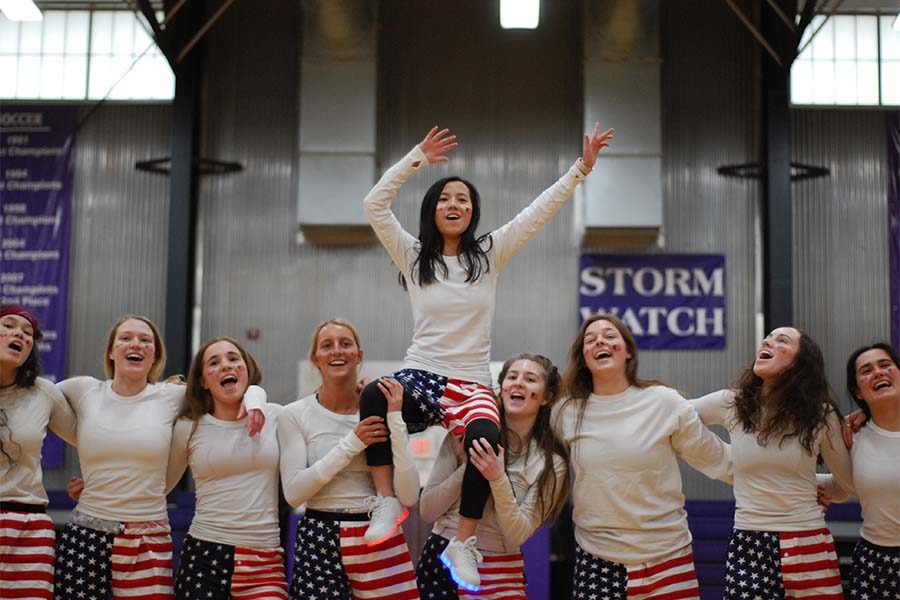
(520, 14)
(20, 10)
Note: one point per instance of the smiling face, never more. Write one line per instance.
(453, 212)
(523, 389)
(16, 341)
(877, 379)
(133, 349)
(224, 373)
(337, 355)
(776, 353)
(604, 350)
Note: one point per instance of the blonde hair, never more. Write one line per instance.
(314, 341)
(159, 349)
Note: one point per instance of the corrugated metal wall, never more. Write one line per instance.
(119, 232)
(841, 282)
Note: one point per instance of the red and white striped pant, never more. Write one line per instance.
(332, 560)
(786, 564)
(26, 555)
(134, 564)
(672, 577)
(213, 571)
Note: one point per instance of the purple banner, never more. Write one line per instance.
(894, 219)
(669, 301)
(35, 215)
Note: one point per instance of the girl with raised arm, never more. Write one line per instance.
(781, 416)
(528, 478)
(233, 548)
(118, 540)
(322, 438)
(624, 436)
(451, 276)
(28, 406)
(873, 381)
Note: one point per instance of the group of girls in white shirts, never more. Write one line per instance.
(597, 434)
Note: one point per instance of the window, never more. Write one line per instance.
(853, 60)
(82, 55)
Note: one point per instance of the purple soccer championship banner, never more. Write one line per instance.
(35, 214)
(669, 301)
(894, 218)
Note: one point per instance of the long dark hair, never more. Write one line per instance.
(430, 257)
(551, 491)
(26, 375)
(578, 382)
(852, 385)
(801, 399)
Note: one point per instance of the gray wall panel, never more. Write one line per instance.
(841, 282)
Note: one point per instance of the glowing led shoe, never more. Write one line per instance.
(385, 516)
(462, 559)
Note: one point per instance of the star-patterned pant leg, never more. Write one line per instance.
(598, 579)
(318, 567)
(875, 572)
(753, 566)
(421, 400)
(204, 571)
(83, 564)
(432, 576)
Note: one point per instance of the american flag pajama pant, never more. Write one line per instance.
(670, 578)
(26, 552)
(875, 572)
(782, 564)
(212, 571)
(332, 561)
(134, 563)
(502, 575)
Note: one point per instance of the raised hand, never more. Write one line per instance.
(594, 143)
(371, 430)
(488, 462)
(436, 144)
(393, 391)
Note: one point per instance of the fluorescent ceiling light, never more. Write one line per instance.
(519, 14)
(20, 10)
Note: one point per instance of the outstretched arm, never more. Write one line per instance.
(513, 236)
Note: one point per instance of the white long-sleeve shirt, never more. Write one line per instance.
(775, 484)
(876, 482)
(452, 318)
(29, 411)
(628, 506)
(235, 476)
(322, 459)
(511, 514)
(123, 445)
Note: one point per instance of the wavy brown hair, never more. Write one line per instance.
(551, 490)
(198, 400)
(802, 399)
(26, 375)
(577, 381)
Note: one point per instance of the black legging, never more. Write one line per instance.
(475, 488)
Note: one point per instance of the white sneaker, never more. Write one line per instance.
(462, 559)
(385, 515)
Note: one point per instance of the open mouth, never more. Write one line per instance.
(134, 357)
(453, 217)
(882, 385)
(337, 363)
(764, 355)
(17, 346)
(228, 381)
(602, 354)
